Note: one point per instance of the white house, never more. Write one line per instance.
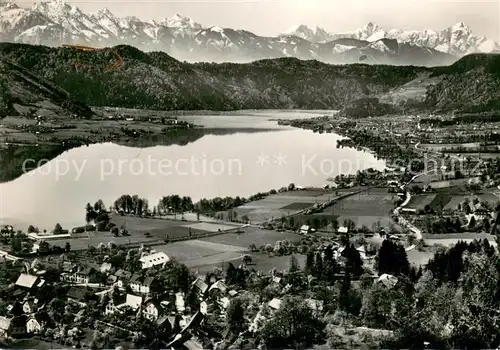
(27, 281)
(140, 284)
(29, 306)
(132, 301)
(34, 325)
(154, 259)
(275, 304)
(343, 229)
(152, 310)
(304, 229)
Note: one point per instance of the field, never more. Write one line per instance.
(206, 253)
(252, 235)
(95, 238)
(197, 253)
(160, 228)
(458, 198)
(419, 202)
(365, 208)
(454, 238)
(284, 204)
(439, 146)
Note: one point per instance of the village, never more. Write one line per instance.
(232, 273)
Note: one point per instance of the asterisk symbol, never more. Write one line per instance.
(262, 159)
(280, 159)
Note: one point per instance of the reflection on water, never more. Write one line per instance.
(203, 164)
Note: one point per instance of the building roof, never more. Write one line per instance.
(193, 322)
(123, 274)
(5, 323)
(343, 229)
(135, 278)
(388, 280)
(105, 267)
(155, 258)
(148, 280)
(275, 303)
(26, 281)
(85, 271)
(133, 301)
(201, 285)
(220, 285)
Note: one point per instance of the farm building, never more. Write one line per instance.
(154, 259)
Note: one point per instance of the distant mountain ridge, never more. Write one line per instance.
(456, 40)
(54, 22)
(157, 81)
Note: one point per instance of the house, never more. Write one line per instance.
(122, 277)
(77, 296)
(12, 326)
(132, 301)
(275, 304)
(387, 280)
(204, 307)
(232, 293)
(34, 325)
(140, 284)
(155, 259)
(218, 286)
(152, 309)
(305, 229)
(29, 306)
(343, 229)
(223, 302)
(200, 287)
(180, 304)
(80, 275)
(105, 267)
(28, 281)
(193, 323)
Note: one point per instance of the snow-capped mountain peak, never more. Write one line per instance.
(178, 21)
(316, 34)
(55, 22)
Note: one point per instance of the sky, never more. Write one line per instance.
(268, 17)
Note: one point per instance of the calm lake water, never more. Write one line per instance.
(253, 154)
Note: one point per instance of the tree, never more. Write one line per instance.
(472, 222)
(293, 265)
(309, 267)
(392, 259)
(58, 229)
(318, 265)
(32, 229)
(335, 224)
(354, 263)
(16, 244)
(293, 325)
(67, 247)
(247, 259)
(235, 318)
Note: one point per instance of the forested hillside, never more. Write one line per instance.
(157, 81)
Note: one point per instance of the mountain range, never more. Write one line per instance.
(32, 74)
(54, 22)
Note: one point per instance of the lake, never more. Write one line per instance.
(252, 155)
